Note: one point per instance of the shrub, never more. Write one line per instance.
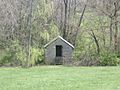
(16, 55)
(37, 56)
(109, 59)
(7, 58)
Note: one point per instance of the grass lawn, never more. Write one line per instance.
(60, 78)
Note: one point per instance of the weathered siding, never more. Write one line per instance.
(50, 51)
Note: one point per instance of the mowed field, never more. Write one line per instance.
(60, 78)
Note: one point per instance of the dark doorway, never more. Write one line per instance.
(58, 51)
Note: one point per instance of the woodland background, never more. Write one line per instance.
(92, 26)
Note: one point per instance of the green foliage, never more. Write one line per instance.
(6, 58)
(85, 47)
(21, 56)
(54, 32)
(46, 21)
(45, 35)
(109, 59)
(37, 55)
(16, 53)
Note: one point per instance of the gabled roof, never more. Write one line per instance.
(59, 37)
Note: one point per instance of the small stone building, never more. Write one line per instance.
(57, 50)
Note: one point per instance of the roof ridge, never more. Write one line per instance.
(61, 39)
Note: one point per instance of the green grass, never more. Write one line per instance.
(60, 78)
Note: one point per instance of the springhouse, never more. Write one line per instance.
(58, 49)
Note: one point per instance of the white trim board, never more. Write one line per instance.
(59, 37)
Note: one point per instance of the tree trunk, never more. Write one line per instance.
(111, 31)
(79, 24)
(29, 22)
(65, 19)
(116, 36)
(96, 42)
(75, 3)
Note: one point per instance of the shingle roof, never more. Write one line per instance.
(59, 37)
